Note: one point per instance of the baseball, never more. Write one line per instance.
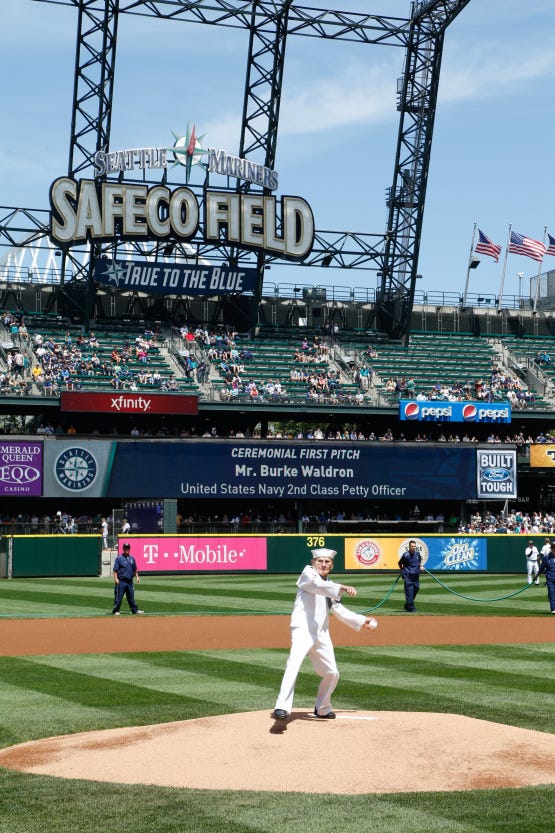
(373, 623)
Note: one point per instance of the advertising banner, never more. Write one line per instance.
(434, 410)
(496, 474)
(542, 455)
(128, 402)
(453, 554)
(178, 554)
(174, 278)
(223, 468)
(20, 468)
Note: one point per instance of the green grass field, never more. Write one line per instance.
(495, 595)
(51, 695)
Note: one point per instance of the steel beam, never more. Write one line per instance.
(417, 102)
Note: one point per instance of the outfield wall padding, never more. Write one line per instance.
(55, 555)
(80, 555)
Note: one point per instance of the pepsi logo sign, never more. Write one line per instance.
(440, 411)
(412, 410)
(469, 412)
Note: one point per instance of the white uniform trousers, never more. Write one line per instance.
(532, 570)
(320, 651)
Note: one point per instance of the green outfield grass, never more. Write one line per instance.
(51, 695)
(491, 595)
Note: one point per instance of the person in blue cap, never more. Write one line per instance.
(410, 565)
(125, 571)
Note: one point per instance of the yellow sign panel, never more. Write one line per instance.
(542, 456)
(379, 553)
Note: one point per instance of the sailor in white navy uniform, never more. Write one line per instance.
(310, 635)
(532, 557)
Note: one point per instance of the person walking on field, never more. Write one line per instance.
(410, 565)
(547, 567)
(104, 532)
(316, 596)
(532, 557)
(125, 570)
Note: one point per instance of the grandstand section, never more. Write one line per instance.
(309, 388)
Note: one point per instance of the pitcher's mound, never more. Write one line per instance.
(359, 752)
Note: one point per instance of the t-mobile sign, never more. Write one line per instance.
(181, 554)
(20, 469)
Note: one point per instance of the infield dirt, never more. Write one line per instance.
(195, 633)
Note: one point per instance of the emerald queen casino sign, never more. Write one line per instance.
(100, 210)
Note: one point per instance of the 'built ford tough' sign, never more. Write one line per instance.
(433, 410)
(496, 474)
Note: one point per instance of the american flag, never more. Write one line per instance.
(521, 245)
(551, 246)
(484, 246)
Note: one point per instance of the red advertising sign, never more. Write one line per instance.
(126, 402)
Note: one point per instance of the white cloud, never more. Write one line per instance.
(358, 95)
(471, 76)
(327, 103)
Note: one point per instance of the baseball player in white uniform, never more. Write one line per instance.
(316, 596)
(532, 568)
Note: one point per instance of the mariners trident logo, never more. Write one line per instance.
(187, 150)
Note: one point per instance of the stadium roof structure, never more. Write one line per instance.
(393, 255)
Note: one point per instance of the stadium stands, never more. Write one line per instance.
(60, 357)
(293, 366)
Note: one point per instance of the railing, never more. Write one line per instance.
(28, 527)
(367, 295)
(330, 294)
(23, 275)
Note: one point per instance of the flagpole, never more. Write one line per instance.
(468, 267)
(540, 264)
(500, 298)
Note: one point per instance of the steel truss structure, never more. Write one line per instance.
(394, 254)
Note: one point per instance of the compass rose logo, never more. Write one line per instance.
(114, 271)
(187, 150)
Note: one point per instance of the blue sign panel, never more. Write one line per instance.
(346, 471)
(174, 278)
(434, 410)
(496, 473)
(456, 554)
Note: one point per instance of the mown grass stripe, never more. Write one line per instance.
(50, 805)
(260, 595)
(448, 677)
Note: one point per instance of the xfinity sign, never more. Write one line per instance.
(434, 411)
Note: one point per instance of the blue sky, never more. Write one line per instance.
(492, 155)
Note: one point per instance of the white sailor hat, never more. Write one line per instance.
(323, 553)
